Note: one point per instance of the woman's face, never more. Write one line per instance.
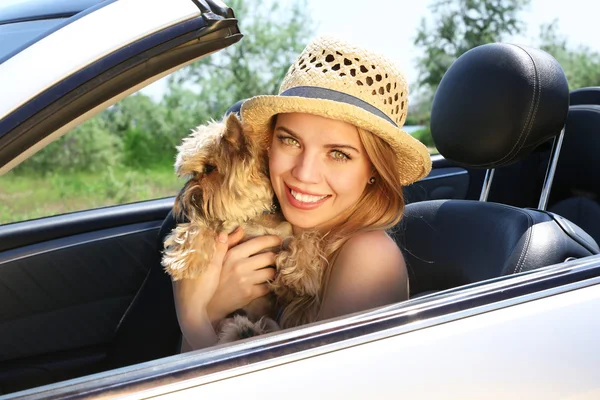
(319, 168)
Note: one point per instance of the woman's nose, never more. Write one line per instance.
(307, 168)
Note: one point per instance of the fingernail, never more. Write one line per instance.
(223, 237)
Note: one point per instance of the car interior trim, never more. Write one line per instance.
(75, 240)
(51, 228)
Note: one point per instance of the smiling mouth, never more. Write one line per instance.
(306, 198)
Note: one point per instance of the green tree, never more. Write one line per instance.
(581, 64)
(90, 147)
(144, 129)
(274, 35)
(460, 25)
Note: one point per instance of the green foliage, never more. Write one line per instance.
(424, 136)
(274, 35)
(143, 126)
(460, 25)
(581, 64)
(89, 147)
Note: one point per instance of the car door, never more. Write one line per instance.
(68, 283)
(530, 335)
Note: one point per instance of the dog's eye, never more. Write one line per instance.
(208, 168)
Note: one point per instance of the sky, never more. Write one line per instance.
(390, 26)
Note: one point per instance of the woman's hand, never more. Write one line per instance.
(244, 274)
(235, 276)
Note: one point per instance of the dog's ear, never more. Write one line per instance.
(233, 130)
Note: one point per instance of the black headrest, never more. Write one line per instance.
(496, 103)
(588, 95)
(578, 163)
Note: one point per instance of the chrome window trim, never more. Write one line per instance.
(445, 175)
(81, 239)
(204, 366)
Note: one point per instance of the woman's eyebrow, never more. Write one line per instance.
(341, 146)
(327, 146)
(288, 131)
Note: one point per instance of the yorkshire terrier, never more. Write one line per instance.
(229, 187)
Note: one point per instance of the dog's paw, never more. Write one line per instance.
(240, 327)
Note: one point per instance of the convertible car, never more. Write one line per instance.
(500, 239)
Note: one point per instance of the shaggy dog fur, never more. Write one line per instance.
(229, 186)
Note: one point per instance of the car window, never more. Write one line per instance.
(124, 154)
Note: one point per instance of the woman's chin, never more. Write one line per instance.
(299, 221)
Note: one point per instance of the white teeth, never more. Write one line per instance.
(306, 198)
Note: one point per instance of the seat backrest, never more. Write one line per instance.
(587, 95)
(450, 243)
(493, 107)
(579, 165)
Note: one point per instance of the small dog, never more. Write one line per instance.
(229, 186)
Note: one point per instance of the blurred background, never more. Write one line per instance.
(126, 153)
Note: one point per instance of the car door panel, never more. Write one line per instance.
(447, 180)
(75, 290)
(441, 183)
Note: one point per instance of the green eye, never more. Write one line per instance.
(290, 141)
(339, 156)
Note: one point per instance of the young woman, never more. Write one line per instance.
(338, 159)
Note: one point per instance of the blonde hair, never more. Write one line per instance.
(380, 207)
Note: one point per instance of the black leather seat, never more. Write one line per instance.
(576, 189)
(584, 96)
(495, 105)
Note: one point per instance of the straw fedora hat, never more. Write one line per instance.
(337, 80)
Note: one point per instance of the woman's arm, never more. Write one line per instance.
(369, 272)
(192, 297)
(236, 276)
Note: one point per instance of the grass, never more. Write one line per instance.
(24, 197)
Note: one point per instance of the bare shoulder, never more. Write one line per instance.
(369, 272)
(375, 248)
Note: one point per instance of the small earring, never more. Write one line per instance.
(372, 180)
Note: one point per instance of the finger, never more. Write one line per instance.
(235, 237)
(256, 245)
(263, 275)
(260, 261)
(260, 290)
(220, 250)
